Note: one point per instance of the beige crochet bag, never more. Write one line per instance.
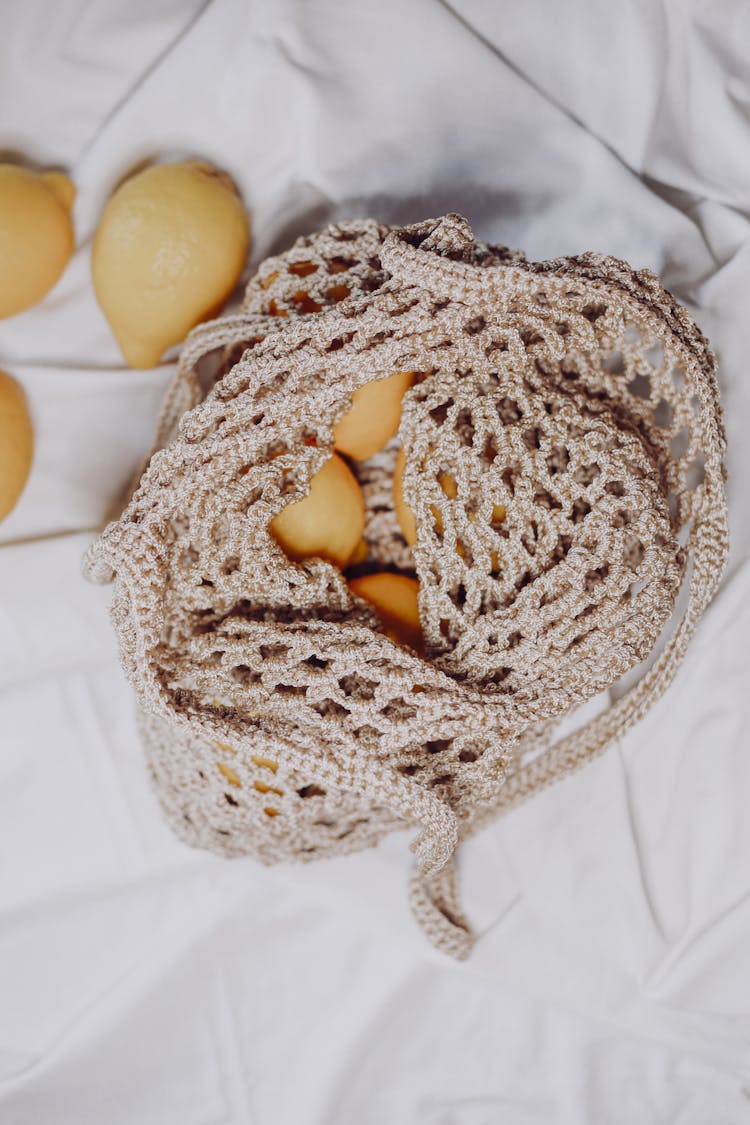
(573, 402)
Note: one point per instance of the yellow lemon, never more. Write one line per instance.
(373, 417)
(394, 599)
(329, 521)
(16, 443)
(36, 234)
(171, 244)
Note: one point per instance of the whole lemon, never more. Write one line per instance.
(36, 234)
(329, 521)
(373, 417)
(394, 597)
(171, 244)
(16, 443)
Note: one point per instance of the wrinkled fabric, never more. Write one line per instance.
(142, 981)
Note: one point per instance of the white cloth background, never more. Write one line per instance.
(142, 982)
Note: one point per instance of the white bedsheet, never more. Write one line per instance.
(142, 983)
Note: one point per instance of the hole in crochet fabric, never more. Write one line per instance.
(696, 473)
(615, 488)
(357, 688)
(341, 265)
(509, 477)
(585, 474)
(532, 438)
(317, 662)
(440, 413)
(330, 708)
(580, 510)
(302, 269)
(337, 292)
(663, 414)
(438, 745)
(528, 540)
(680, 443)
(633, 551)
(262, 787)
(475, 326)
(632, 334)
(231, 801)
(241, 674)
(558, 459)
(290, 691)
(496, 346)
(529, 337)
(229, 774)
(311, 791)
(655, 354)
(408, 771)
(271, 652)
(464, 552)
(265, 763)
(637, 588)
(305, 303)
(593, 311)
(614, 363)
(640, 387)
(595, 576)
(444, 779)
(397, 710)
(490, 450)
(546, 500)
(270, 811)
(468, 756)
(465, 427)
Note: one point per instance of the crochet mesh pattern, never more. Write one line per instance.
(564, 462)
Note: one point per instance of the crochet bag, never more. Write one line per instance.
(575, 406)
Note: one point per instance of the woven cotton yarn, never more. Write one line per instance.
(573, 405)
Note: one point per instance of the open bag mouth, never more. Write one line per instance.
(572, 407)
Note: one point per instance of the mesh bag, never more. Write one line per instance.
(573, 406)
